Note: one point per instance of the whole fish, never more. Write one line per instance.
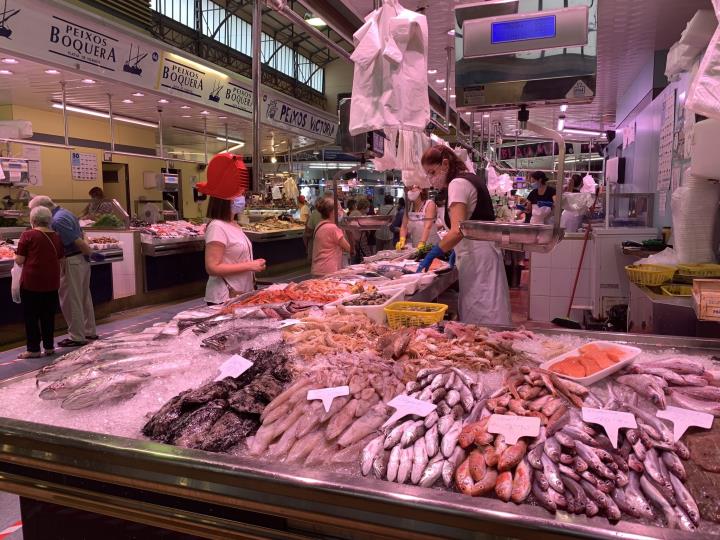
(380, 464)
(564, 439)
(303, 446)
(394, 463)
(543, 498)
(566, 471)
(490, 456)
(365, 425)
(674, 465)
(412, 433)
(452, 463)
(534, 455)
(504, 486)
(552, 474)
(541, 480)
(552, 449)
(445, 423)
(635, 464)
(578, 434)
(669, 375)
(522, 482)
(710, 393)
(558, 498)
(683, 520)
(432, 473)
(685, 500)
(683, 400)
(449, 440)
(511, 456)
(539, 403)
(104, 389)
(646, 386)
(452, 398)
(369, 453)
(694, 380)
(340, 421)
(591, 508)
(665, 432)
(432, 442)
(431, 420)
(635, 497)
(656, 498)
(589, 455)
(683, 366)
(594, 493)
(467, 400)
(420, 460)
(406, 465)
(395, 434)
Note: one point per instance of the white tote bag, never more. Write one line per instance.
(15, 274)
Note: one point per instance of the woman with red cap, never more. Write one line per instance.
(228, 251)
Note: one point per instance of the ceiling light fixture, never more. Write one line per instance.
(273, 159)
(5, 72)
(486, 115)
(451, 32)
(236, 147)
(468, 113)
(315, 21)
(163, 101)
(9, 61)
(52, 72)
(439, 81)
(432, 71)
(204, 112)
(578, 131)
(101, 114)
(138, 94)
(233, 141)
(185, 107)
(88, 81)
(186, 116)
(563, 108)
(561, 124)
(222, 117)
(452, 96)
(128, 101)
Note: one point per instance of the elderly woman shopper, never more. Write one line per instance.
(39, 254)
(329, 242)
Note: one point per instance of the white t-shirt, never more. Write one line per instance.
(462, 191)
(238, 248)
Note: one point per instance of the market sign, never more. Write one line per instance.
(293, 116)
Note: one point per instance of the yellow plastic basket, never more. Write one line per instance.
(401, 314)
(699, 270)
(650, 275)
(676, 290)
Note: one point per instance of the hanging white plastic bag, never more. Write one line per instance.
(493, 181)
(541, 215)
(15, 274)
(589, 185)
(703, 96)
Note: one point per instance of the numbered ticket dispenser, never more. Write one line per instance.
(511, 53)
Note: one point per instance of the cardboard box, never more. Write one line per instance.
(706, 299)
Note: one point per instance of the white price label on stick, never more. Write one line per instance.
(405, 405)
(611, 421)
(327, 395)
(513, 427)
(684, 418)
(234, 366)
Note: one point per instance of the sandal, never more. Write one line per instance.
(27, 354)
(71, 343)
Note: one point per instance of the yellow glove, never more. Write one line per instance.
(400, 244)
(421, 245)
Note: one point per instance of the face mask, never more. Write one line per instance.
(238, 205)
(413, 195)
(439, 179)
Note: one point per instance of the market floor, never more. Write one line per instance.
(10, 524)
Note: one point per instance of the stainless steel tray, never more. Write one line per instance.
(513, 236)
(365, 223)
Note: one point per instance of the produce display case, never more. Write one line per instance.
(212, 495)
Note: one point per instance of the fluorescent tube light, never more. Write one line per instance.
(101, 114)
(233, 141)
(589, 132)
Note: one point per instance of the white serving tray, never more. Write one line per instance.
(630, 353)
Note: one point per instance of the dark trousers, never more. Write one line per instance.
(39, 309)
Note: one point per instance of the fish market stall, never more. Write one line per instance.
(408, 435)
(277, 241)
(173, 254)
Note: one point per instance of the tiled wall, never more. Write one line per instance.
(551, 280)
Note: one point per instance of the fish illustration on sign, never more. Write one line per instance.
(272, 109)
(132, 65)
(5, 15)
(215, 92)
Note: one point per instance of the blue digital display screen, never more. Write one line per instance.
(523, 29)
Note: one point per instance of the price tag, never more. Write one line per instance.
(405, 405)
(684, 418)
(289, 322)
(326, 395)
(611, 421)
(513, 427)
(234, 366)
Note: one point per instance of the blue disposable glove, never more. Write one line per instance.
(434, 253)
(97, 257)
(451, 260)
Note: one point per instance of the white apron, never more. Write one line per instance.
(484, 295)
(416, 227)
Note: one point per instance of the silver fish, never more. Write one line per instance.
(406, 464)
(432, 444)
(101, 390)
(395, 434)
(466, 379)
(558, 498)
(588, 454)
(578, 434)
(635, 497)
(665, 432)
(445, 423)
(653, 469)
(394, 463)
(542, 497)
(412, 433)
(380, 464)
(694, 380)
(438, 394)
(656, 498)
(594, 493)
(648, 386)
(452, 398)
(449, 440)
(534, 455)
(452, 463)
(669, 375)
(683, 366)
(431, 419)
(683, 520)
(552, 449)
(439, 380)
(709, 393)
(369, 453)
(466, 398)
(564, 439)
(432, 473)
(552, 473)
(685, 500)
(567, 472)
(674, 465)
(452, 378)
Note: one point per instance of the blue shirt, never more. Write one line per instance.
(67, 226)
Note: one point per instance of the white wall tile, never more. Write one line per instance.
(539, 309)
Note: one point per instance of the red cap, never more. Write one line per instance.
(301, 198)
(227, 177)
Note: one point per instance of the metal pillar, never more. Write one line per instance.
(205, 137)
(226, 138)
(65, 118)
(257, 101)
(112, 124)
(449, 50)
